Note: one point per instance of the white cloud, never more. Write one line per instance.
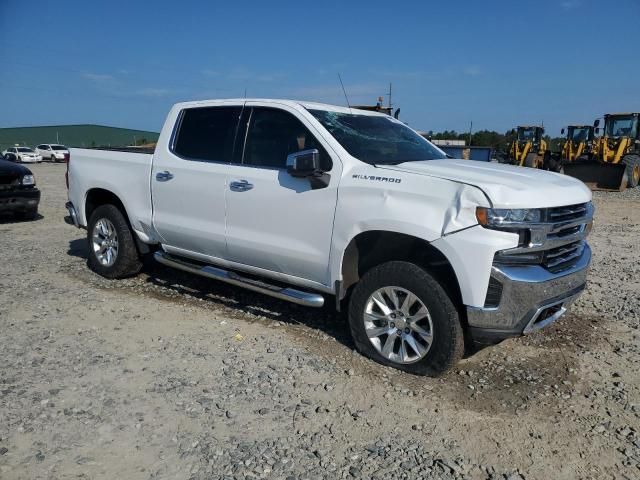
(210, 73)
(472, 71)
(153, 92)
(570, 4)
(98, 77)
(367, 92)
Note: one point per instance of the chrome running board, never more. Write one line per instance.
(283, 293)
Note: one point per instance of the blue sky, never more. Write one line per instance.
(496, 63)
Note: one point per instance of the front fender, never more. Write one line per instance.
(423, 207)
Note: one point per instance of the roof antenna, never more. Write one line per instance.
(344, 91)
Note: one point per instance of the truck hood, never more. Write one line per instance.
(506, 186)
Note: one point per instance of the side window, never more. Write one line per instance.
(207, 133)
(274, 134)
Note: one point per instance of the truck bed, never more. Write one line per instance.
(124, 173)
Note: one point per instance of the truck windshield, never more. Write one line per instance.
(377, 140)
(526, 134)
(579, 134)
(621, 126)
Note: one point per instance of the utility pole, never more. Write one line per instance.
(389, 96)
(470, 129)
(57, 138)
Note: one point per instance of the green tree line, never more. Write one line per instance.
(490, 138)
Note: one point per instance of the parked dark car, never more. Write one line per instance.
(18, 192)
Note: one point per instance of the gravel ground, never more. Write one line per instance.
(167, 375)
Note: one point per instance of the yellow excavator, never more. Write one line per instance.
(614, 160)
(578, 142)
(529, 149)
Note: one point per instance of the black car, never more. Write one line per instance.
(18, 192)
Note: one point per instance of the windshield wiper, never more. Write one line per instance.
(390, 163)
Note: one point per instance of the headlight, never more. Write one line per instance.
(28, 180)
(499, 217)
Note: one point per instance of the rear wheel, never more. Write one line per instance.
(633, 170)
(401, 316)
(112, 249)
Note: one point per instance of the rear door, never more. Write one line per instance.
(188, 180)
(274, 221)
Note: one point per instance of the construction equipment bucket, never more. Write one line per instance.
(597, 175)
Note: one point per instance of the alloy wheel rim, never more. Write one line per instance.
(105, 242)
(398, 325)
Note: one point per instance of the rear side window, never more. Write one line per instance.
(274, 134)
(207, 133)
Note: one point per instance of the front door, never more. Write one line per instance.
(274, 221)
(188, 181)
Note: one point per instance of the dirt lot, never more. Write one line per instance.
(171, 376)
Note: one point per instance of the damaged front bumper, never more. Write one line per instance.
(531, 298)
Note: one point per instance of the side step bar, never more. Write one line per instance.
(283, 293)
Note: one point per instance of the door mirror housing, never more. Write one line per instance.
(304, 164)
(562, 132)
(596, 123)
(597, 130)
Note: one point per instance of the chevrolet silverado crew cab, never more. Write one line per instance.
(314, 203)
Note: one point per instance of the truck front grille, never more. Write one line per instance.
(562, 214)
(560, 239)
(9, 182)
(563, 257)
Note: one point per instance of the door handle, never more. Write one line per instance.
(240, 186)
(164, 176)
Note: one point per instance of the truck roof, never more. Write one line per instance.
(276, 101)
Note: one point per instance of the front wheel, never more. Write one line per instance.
(112, 248)
(632, 170)
(401, 316)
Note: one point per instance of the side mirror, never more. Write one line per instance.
(596, 123)
(562, 132)
(597, 131)
(303, 164)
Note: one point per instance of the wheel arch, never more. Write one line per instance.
(374, 247)
(95, 197)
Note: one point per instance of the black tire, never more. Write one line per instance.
(447, 346)
(633, 170)
(127, 261)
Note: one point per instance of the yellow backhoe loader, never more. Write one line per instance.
(614, 160)
(578, 143)
(529, 149)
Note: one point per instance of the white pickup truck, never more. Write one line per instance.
(311, 203)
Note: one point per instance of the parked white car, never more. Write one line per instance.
(312, 203)
(22, 154)
(53, 152)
